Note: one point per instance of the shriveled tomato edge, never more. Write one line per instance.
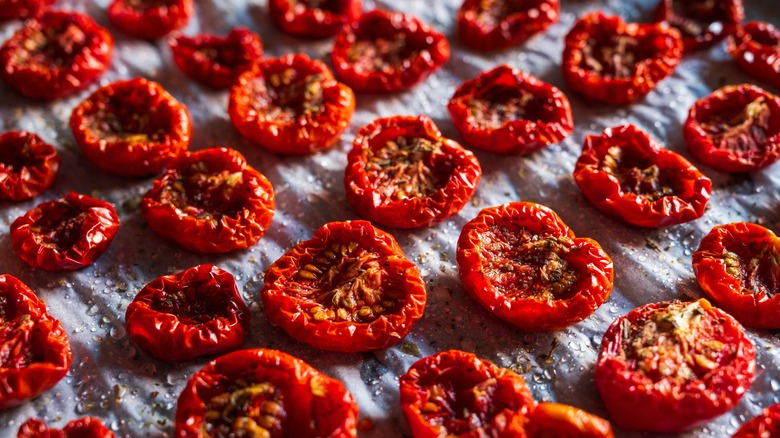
(768, 422)
(31, 180)
(310, 24)
(760, 63)
(732, 15)
(153, 23)
(84, 427)
(549, 419)
(509, 31)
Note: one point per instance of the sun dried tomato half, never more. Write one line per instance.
(217, 61)
(766, 425)
(756, 48)
(192, 313)
(499, 24)
(264, 393)
(35, 352)
(314, 18)
(548, 420)
(523, 264)
(387, 52)
(210, 201)
(702, 23)
(291, 105)
(349, 288)
(611, 61)
(66, 234)
(55, 55)
(737, 265)
(735, 129)
(457, 394)
(402, 173)
(17, 9)
(131, 127)
(626, 174)
(149, 19)
(508, 111)
(28, 165)
(669, 366)
(84, 427)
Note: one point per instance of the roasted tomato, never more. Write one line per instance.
(735, 129)
(457, 394)
(84, 427)
(387, 52)
(523, 264)
(291, 105)
(131, 127)
(548, 420)
(28, 165)
(766, 425)
(16, 9)
(499, 24)
(264, 393)
(508, 111)
(402, 173)
(149, 19)
(66, 234)
(610, 61)
(666, 367)
(55, 55)
(702, 23)
(34, 349)
(210, 201)
(192, 313)
(628, 175)
(756, 48)
(314, 18)
(217, 61)
(348, 288)
(738, 266)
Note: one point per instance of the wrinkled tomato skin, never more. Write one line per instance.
(149, 19)
(517, 136)
(508, 30)
(213, 318)
(460, 170)
(662, 41)
(296, 313)
(64, 235)
(217, 61)
(724, 103)
(687, 202)
(258, 102)
(82, 53)
(34, 347)
(756, 48)
(562, 421)
(543, 311)
(84, 427)
(765, 425)
(113, 146)
(297, 18)
(737, 266)
(217, 218)
(729, 14)
(488, 400)
(317, 406)
(18, 9)
(636, 401)
(28, 166)
(430, 51)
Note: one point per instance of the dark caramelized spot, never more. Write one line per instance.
(53, 46)
(461, 405)
(15, 338)
(638, 175)
(500, 105)
(18, 154)
(614, 56)
(288, 96)
(696, 17)
(144, 5)
(331, 6)
(133, 117)
(741, 130)
(205, 194)
(490, 13)
(246, 410)
(409, 168)
(60, 227)
(193, 304)
(757, 266)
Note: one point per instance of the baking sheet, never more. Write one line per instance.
(136, 395)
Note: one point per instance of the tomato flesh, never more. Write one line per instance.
(256, 410)
(702, 23)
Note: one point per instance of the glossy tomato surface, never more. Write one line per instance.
(765, 425)
(314, 18)
(756, 48)
(84, 427)
(499, 24)
(28, 165)
(702, 23)
(149, 19)
(554, 420)
(17, 9)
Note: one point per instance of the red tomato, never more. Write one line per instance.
(84, 427)
(131, 127)
(508, 111)
(499, 24)
(348, 288)
(666, 367)
(149, 19)
(314, 18)
(756, 48)
(766, 425)
(457, 394)
(523, 264)
(193, 313)
(16, 9)
(210, 201)
(291, 105)
(28, 165)
(702, 23)
(737, 265)
(34, 349)
(66, 234)
(217, 61)
(562, 421)
(402, 173)
(628, 175)
(55, 55)
(264, 393)
(387, 52)
(608, 60)
(735, 129)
